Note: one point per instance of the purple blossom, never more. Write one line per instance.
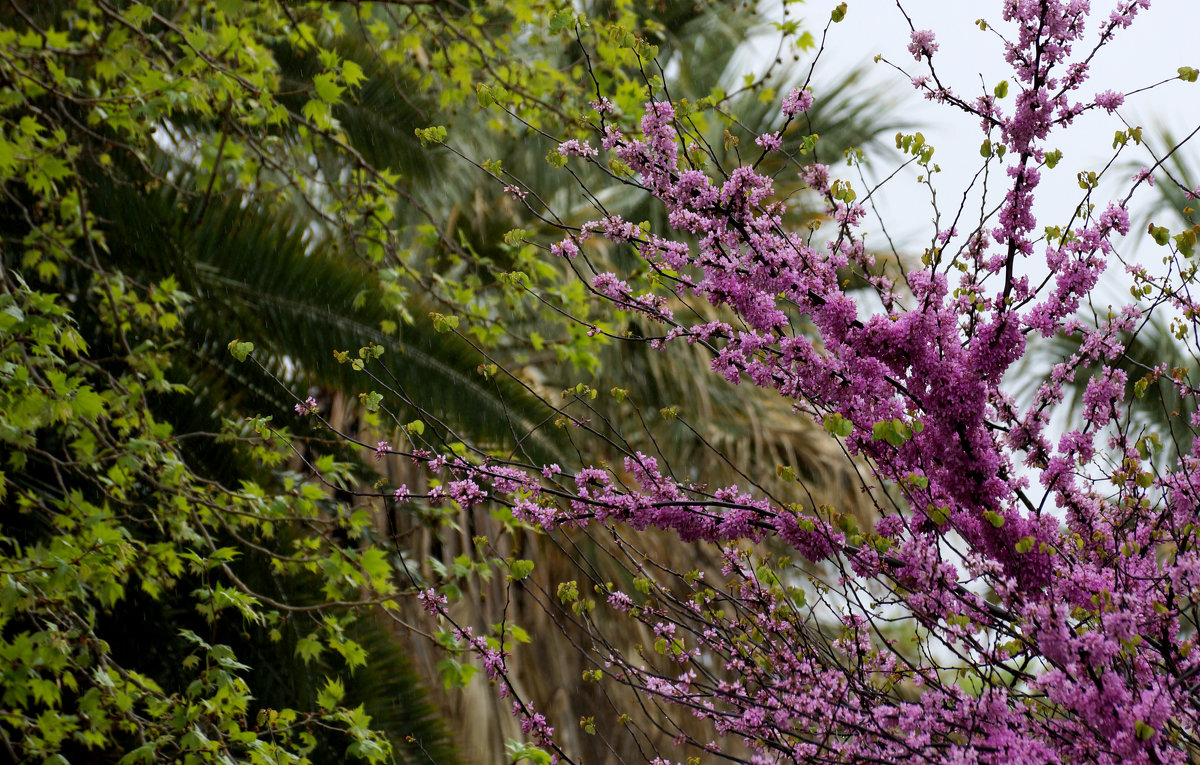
(493, 662)
(466, 493)
(770, 142)
(816, 177)
(619, 601)
(922, 44)
(576, 148)
(307, 406)
(567, 248)
(1103, 393)
(797, 101)
(431, 601)
(382, 449)
(1115, 217)
(1084, 577)
(1110, 100)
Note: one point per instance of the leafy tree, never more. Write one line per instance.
(146, 226)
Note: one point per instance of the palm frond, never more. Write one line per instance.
(379, 117)
(258, 274)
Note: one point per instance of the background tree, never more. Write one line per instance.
(145, 227)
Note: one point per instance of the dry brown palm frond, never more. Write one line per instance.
(565, 643)
(728, 434)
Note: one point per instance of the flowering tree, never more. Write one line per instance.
(1015, 591)
(1024, 594)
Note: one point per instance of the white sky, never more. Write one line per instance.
(1160, 41)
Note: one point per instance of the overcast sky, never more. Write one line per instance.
(1163, 39)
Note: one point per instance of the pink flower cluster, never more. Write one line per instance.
(921, 44)
(797, 101)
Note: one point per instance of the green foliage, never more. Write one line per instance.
(838, 425)
(129, 273)
(204, 200)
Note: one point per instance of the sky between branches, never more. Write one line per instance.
(1159, 42)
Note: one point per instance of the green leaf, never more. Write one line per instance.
(454, 673)
(520, 569)
(895, 431)
(568, 592)
(327, 88)
(352, 73)
(918, 480)
(88, 403)
(1160, 234)
(937, 514)
(560, 20)
(240, 350)
(435, 134)
(1001, 90)
(839, 13)
(1188, 74)
(332, 694)
(1185, 241)
(308, 648)
(144, 753)
(316, 111)
(520, 752)
(838, 425)
(483, 93)
(443, 323)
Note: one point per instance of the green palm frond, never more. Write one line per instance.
(258, 274)
(1182, 178)
(393, 694)
(378, 117)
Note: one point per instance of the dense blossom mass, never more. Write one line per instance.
(1056, 570)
